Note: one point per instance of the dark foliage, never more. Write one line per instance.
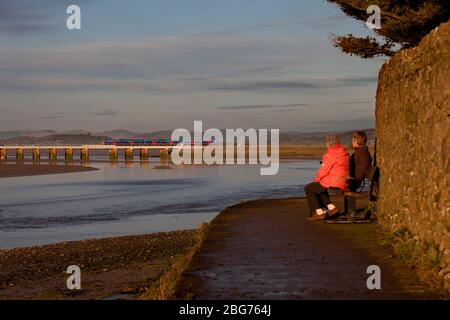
(403, 24)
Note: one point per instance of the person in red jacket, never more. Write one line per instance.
(333, 173)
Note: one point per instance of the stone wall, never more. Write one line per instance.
(413, 137)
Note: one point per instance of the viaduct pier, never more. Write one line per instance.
(68, 152)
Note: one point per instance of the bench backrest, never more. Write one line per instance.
(373, 174)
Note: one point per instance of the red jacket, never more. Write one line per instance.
(335, 169)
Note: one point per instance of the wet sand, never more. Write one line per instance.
(19, 170)
(110, 266)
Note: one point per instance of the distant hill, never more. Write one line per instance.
(319, 137)
(74, 132)
(157, 134)
(55, 139)
(15, 134)
(119, 133)
(85, 137)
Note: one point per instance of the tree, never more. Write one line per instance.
(403, 24)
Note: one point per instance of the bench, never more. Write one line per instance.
(350, 197)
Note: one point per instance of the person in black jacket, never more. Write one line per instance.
(360, 160)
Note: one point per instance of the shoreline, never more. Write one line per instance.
(111, 268)
(143, 266)
(13, 170)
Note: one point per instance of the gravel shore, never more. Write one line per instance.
(110, 266)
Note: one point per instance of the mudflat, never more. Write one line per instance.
(121, 267)
(18, 170)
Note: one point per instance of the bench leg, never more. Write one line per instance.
(345, 205)
(350, 203)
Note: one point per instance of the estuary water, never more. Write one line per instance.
(127, 199)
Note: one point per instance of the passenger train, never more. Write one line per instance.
(149, 142)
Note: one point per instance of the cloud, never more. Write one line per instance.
(246, 107)
(20, 29)
(363, 110)
(105, 113)
(265, 85)
(244, 71)
(22, 16)
(170, 65)
(158, 64)
(269, 25)
(85, 85)
(305, 18)
(54, 117)
(127, 82)
(264, 106)
(161, 76)
(61, 115)
(356, 102)
(294, 85)
(26, 17)
(295, 105)
(358, 80)
(366, 122)
(325, 22)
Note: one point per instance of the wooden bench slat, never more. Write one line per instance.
(355, 194)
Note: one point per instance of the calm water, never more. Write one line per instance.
(133, 199)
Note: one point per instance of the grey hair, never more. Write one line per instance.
(332, 139)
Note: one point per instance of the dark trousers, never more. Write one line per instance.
(317, 196)
(354, 184)
(350, 202)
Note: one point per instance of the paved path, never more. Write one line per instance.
(267, 250)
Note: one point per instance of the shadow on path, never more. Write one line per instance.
(267, 250)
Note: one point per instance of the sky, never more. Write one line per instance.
(147, 65)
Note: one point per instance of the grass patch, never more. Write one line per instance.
(51, 295)
(164, 288)
(424, 257)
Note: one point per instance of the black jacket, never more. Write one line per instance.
(360, 162)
